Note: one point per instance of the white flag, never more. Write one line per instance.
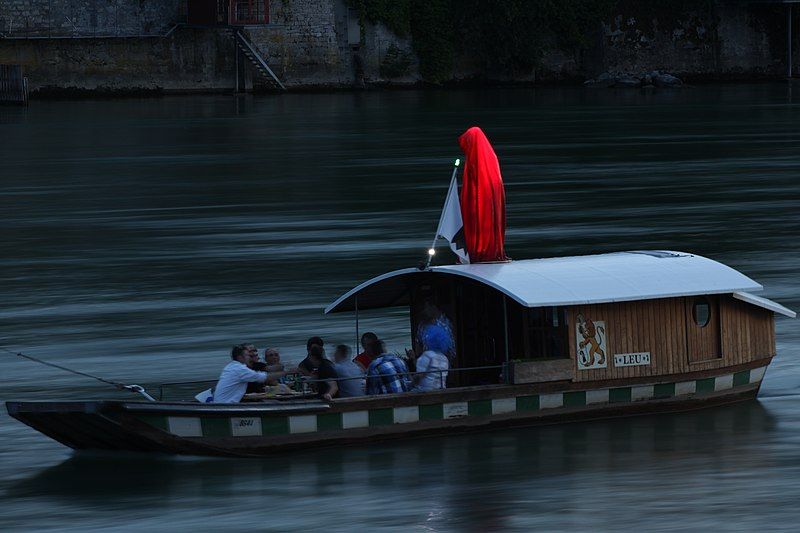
(451, 225)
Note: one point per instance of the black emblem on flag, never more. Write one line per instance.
(460, 241)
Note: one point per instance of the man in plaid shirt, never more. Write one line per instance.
(387, 373)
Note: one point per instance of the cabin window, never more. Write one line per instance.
(547, 332)
(701, 312)
(537, 333)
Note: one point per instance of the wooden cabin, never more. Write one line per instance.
(591, 318)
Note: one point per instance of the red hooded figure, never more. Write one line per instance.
(483, 199)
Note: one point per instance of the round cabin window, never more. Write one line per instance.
(701, 312)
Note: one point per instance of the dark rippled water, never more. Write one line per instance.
(141, 238)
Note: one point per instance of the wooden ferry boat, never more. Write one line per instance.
(538, 342)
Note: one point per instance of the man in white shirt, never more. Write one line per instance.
(236, 375)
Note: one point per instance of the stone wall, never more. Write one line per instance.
(723, 40)
(128, 45)
(310, 43)
(388, 58)
(81, 18)
(303, 44)
(190, 59)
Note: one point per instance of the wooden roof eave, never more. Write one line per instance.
(764, 303)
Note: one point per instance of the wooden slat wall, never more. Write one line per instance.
(748, 332)
(659, 327)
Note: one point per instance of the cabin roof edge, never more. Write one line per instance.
(765, 303)
(575, 280)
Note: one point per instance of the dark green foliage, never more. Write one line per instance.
(433, 35)
(430, 24)
(394, 14)
(511, 35)
(395, 62)
(502, 36)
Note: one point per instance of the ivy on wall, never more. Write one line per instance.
(510, 37)
(505, 36)
(395, 63)
(434, 37)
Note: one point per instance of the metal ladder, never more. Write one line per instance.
(251, 53)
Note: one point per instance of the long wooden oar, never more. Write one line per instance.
(122, 386)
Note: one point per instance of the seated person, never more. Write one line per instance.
(367, 343)
(387, 373)
(432, 365)
(272, 358)
(252, 362)
(272, 361)
(431, 315)
(236, 375)
(306, 367)
(251, 349)
(327, 386)
(346, 368)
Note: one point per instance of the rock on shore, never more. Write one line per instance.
(655, 78)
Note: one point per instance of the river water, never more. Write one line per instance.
(142, 238)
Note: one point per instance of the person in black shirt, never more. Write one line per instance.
(306, 367)
(327, 386)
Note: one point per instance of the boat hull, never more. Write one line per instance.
(260, 429)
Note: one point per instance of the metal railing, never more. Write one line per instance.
(440, 372)
(252, 53)
(44, 36)
(208, 383)
(307, 380)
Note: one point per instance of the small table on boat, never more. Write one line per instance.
(263, 396)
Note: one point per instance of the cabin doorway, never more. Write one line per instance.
(702, 328)
(481, 333)
(477, 317)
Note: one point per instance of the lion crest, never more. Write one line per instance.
(590, 348)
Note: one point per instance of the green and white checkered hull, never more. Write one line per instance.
(259, 429)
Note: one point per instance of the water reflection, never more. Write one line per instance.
(485, 480)
(142, 238)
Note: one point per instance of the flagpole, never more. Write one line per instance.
(432, 249)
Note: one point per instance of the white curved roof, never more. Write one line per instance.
(590, 279)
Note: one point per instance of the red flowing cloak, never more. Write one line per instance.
(483, 199)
